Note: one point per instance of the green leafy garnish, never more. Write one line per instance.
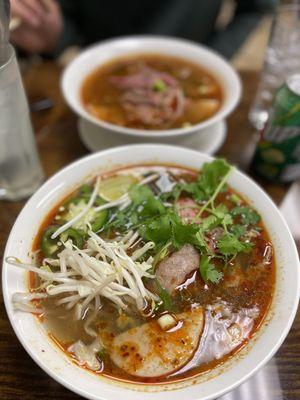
(169, 228)
(209, 179)
(237, 230)
(159, 85)
(161, 223)
(247, 214)
(144, 207)
(143, 196)
(212, 175)
(235, 199)
(165, 297)
(101, 354)
(208, 271)
(230, 245)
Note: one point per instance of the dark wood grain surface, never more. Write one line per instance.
(59, 144)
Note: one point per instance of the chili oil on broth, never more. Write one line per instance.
(242, 298)
(152, 92)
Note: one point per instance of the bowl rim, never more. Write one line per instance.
(112, 152)
(222, 113)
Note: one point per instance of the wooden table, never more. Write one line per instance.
(59, 144)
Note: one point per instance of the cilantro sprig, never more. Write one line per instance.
(208, 271)
(160, 222)
(212, 178)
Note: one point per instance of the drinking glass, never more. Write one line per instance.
(282, 59)
(20, 169)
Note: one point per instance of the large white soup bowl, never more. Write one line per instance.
(207, 386)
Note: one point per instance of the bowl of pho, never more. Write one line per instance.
(149, 268)
(151, 87)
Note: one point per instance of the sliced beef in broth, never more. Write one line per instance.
(172, 271)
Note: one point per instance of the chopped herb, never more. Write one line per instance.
(238, 230)
(159, 85)
(164, 297)
(235, 199)
(211, 176)
(144, 206)
(86, 189)
(247, 214)
(209, 222)
(161, 254)
(208, 271)
(170, 228)
(101, 354)
(230, 245)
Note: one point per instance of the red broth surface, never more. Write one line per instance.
(233, 309)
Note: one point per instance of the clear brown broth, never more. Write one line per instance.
(103, 99)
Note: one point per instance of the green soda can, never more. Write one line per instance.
(277, 155)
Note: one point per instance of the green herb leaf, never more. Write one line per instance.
(235, 199)
(143, 196)
(157, 230)
(208, 223)
(238, 230)
(164, 296)
(161, 253)
(247, 214)
(140, 194)
(211, 175)
(220, 211)
(159, 85)
(208, 271)
(208, 180)
(230, 245)
(101, 354)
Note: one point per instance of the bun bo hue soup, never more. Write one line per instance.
(151, 273)
(151, 92)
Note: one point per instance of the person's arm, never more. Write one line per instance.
(246, 17)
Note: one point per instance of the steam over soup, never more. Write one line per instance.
(151, 273)
(151, 92)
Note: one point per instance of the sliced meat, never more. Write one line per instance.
(148, 351)
(145, 104)
(172, 271)
(187, 209)
(143, 79)
(153, 108)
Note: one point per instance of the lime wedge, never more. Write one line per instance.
(113, 188)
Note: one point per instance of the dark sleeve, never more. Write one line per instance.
(247, 15)
(71, 34)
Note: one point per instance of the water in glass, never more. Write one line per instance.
(20, 168)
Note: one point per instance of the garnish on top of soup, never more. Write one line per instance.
(151, 273)
(151, 92)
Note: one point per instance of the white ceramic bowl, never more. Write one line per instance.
(210, 385)
(103, 52)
